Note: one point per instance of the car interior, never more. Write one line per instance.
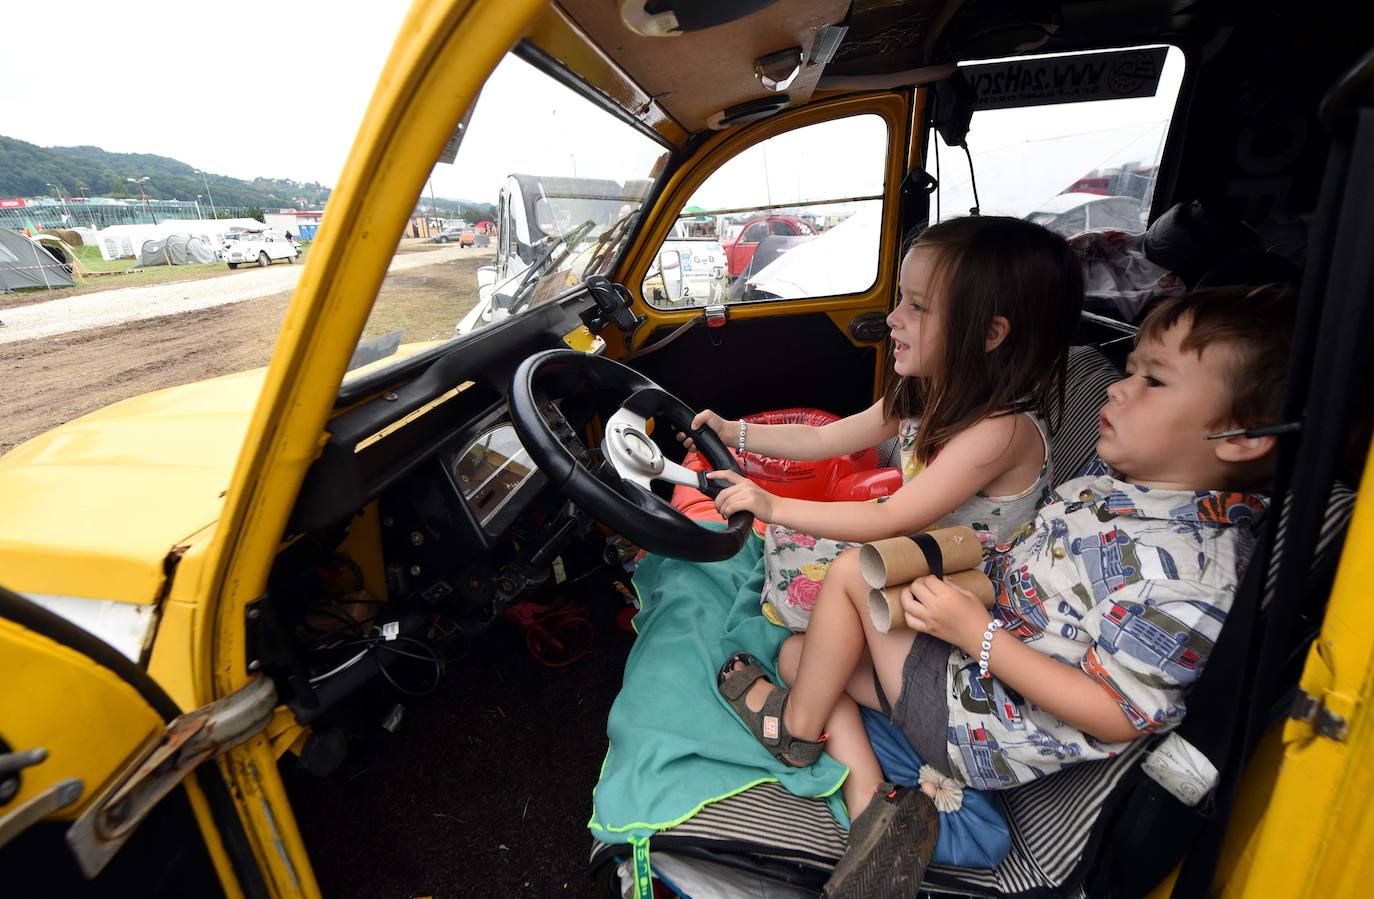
(449, 612)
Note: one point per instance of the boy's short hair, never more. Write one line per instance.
(1256, 322)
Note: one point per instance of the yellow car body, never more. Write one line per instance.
(177, 501)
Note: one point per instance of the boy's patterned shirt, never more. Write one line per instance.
(1130, 585)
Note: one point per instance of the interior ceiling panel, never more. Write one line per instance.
(889, 36)
(693, 76)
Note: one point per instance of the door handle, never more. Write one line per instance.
(870, 327)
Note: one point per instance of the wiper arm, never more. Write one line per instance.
(542, 265)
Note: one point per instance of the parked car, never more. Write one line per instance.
(262, 247)
(1072, 213)
(740, 247)
(454, 234)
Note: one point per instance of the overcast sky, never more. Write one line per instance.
(279, 90)
(158, 77)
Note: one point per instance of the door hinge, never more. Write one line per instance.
(1312, 711)
(190, 739)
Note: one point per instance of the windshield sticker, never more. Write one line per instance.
(1066, 79)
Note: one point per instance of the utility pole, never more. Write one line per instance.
(61, 198)
(213, 212)
(433, 207)
(144, 194)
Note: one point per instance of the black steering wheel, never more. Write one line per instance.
(624, 501)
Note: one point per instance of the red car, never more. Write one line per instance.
(740, 246)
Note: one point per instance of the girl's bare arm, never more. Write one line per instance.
(805, 442)
(967, 464)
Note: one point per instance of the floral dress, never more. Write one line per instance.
(795, 563)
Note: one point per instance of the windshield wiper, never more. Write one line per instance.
(539, 267)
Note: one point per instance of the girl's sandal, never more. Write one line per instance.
(766, 723)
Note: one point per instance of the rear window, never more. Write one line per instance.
(1070, 165)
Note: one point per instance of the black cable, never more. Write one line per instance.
(972, 180)
(938, 188)
(431, 657)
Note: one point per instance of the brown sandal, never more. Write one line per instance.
(766, 723)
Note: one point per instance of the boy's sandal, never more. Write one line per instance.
(890, 845)
(766, 723)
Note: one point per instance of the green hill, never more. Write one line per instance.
(27, 169)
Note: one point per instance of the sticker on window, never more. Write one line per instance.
(1076, 78)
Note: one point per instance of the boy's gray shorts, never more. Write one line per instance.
(921, 712)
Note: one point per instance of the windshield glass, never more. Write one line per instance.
(543, 191)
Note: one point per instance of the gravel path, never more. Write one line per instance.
(127, 304)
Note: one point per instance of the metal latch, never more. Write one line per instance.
(192, 738)
(37, 807)
(23, 816)
(716, 315)
(1313, 712)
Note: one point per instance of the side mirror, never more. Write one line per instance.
(669, 260)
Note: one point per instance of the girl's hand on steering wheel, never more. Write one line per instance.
(743, 495)
(726, 430)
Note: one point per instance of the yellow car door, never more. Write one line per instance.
(104, 787)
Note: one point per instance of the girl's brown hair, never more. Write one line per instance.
(987, 266)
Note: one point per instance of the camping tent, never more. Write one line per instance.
(123, 241)
(23, 263)
(174, 249)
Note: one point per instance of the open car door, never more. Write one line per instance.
(103, 786)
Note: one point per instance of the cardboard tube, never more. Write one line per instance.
(900, 561)
(885, 605)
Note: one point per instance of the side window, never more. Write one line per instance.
(1070, 141)
(792, 217)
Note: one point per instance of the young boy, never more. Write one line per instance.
(1105, 613)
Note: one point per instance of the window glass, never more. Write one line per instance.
(792, 217)
(1068, 166)
(544, 190)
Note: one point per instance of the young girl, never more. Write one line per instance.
(979, 343)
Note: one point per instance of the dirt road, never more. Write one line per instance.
(113, 307)
(51, 381)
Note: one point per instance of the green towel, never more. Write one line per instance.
(675, 744)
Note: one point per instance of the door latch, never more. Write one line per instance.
(1312, 711)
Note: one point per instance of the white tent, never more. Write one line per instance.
(122, 241)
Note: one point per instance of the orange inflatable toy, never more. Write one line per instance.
(851, 477)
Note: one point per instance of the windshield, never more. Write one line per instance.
(545, 188)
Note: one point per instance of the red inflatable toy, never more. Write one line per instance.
(851, 477)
